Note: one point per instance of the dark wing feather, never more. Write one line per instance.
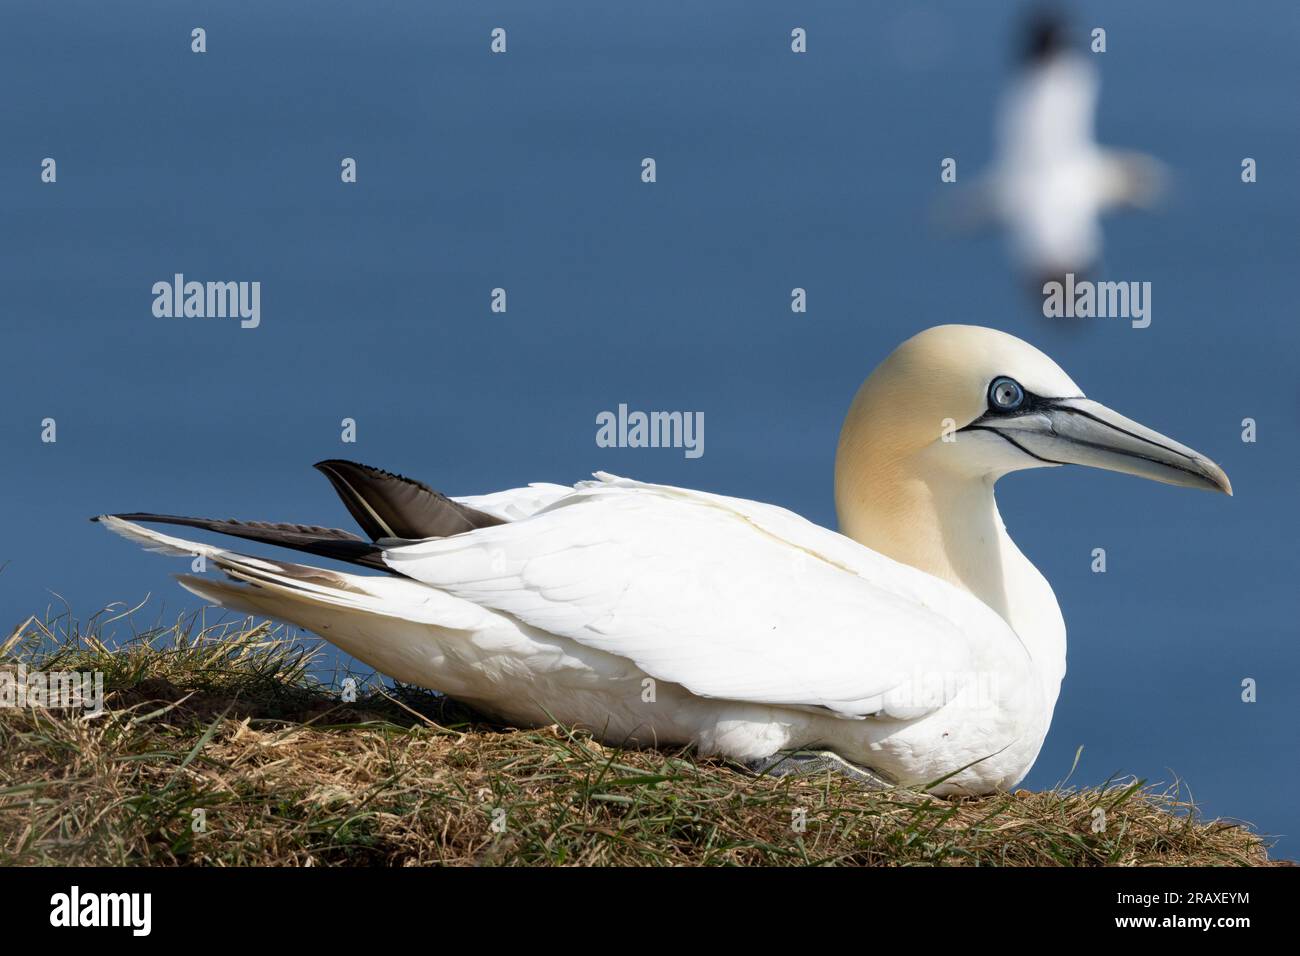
(391, 506)
(326, 542)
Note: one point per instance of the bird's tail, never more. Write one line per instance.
(390, 508)
(376, 619)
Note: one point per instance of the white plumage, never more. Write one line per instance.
(660, 615)
(1051, 181)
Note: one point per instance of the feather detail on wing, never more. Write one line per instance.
(729, 598)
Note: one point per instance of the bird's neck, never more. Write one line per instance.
(920, 512)
(927, 517)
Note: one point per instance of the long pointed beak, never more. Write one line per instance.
(1077, 431)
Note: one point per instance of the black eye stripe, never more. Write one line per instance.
(1031, 404)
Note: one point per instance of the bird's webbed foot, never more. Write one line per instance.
(806, 762)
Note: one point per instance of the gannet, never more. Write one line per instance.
(915, 647)
(1050, 181)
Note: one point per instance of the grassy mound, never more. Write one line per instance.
(218, 747)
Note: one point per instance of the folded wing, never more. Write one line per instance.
(728, 598)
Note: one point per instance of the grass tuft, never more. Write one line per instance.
(225, 724)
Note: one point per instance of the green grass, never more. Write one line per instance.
(226, 723)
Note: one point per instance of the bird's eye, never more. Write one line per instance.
(1005, 394)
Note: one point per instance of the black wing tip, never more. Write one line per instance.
(388, 505)
(235, 525)
(335, 464)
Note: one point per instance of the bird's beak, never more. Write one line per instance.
(1077, 431)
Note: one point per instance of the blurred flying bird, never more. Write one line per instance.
(917, 646)
(1050, 181)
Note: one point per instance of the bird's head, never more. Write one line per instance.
(974, 403)
(1045, 33)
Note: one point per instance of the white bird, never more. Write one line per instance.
(917, 645)
(1050, 181)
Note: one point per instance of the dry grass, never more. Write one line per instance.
(225, 722)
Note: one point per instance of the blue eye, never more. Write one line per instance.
(1005, 394)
